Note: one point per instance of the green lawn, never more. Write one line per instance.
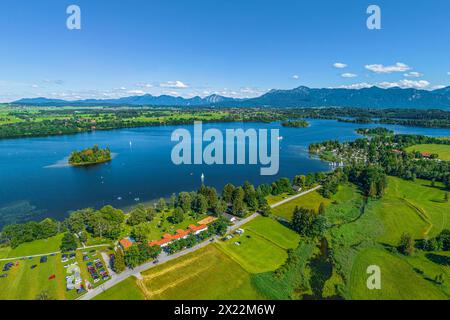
(398, 279)
(271, 199)
(35, 247)
(125, 290)
(442, 150)
(255, 253)
(311, 200)
(273, 231)
(205, 274)
(24, 283)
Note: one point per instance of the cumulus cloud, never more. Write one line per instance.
(340, 65)
(413, 74)
(348, 75)
(448, 73)
(405, 84)
(379, 68)
(295, 77)
(174, 84)
(440, 86)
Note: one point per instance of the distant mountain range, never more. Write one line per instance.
(373, 97)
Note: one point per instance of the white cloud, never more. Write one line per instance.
(174, 84)
(144, 85)
(413, 74)
(379, 68)
(448, 73)
(405, 84)
(348, 75)
(340, 65)
(34, 86)
(361, 85)
(437, 87)
(295, 77)
(136, 92)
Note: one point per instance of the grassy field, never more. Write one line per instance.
(205, 274)
(311, 200)
(24, 283)
(32, 248)
(274, 231)
(398, 279)
(125, 290)
(413, 207)
(255, 254)
(440, 149)
(271, 199)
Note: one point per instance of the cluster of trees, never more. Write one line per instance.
(219, 228)
(295, 124)
(69, 242)
(16, 234)
(439, 243)
(90, 156)
(308, 222)
(406, 245)
(104, 223)
(138, 254)
(380, 131)
(371, 179)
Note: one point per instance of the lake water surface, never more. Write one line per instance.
(35, 182)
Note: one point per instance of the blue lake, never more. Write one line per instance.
(35, 182)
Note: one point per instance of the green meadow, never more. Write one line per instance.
(371, 238)
(311, 200)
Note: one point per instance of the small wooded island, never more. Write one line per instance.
(296, 124)
(90, 156)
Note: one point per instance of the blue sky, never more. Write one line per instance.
(236, 48)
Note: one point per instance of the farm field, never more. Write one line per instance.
(204, 274)
(440, 149)
(125, 290)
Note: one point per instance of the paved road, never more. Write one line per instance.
(164, 257)
(47, 254)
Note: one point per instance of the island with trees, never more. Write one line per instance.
(295, 124)
(90, 156)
